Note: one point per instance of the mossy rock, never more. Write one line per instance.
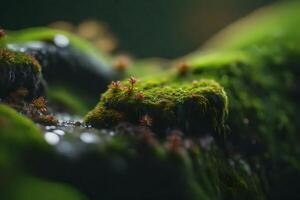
(257, 61)
(137, 165)
(259, 71)
(197, 107)
(19, 70)
(64, 57)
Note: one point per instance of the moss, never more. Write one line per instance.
(19, 71)
(28, 188)
(257, 63)
(19, 137)
(259, 71)
(11, 58)
(260, 78)
(17, 130)
(198, 107)
(139, 165)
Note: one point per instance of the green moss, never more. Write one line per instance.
(17, 131)
(257, 62)
(193, 107)
(19, 71)
(28, 188)
(260, 78)
(17, 128)
(19, 137)
(12, 58)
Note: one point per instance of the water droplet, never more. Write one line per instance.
(231, 163)
(89, 137)
(206, 142)
(61, 41)
(35, 45)
(22, 49)
(66, 148)
(50, 127)
(246, 121)
(112, 133)
(59, 132)
(51, 138)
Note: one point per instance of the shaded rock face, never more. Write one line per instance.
(63, 63)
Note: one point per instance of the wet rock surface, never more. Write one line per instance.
(71, 138)
(63, 63)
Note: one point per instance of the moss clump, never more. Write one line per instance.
(195, 107)
(263, 107)
(18, 70)
(260, 75)
(259, 71)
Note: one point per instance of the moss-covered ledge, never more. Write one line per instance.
(193, 107)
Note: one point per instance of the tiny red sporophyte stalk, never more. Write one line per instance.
(2, 33)
(139, 96)
(39, 103)
(174, 142)
(115, 85)
(132, 81)
(183, 68)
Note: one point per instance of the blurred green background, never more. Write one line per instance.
(144, 28)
